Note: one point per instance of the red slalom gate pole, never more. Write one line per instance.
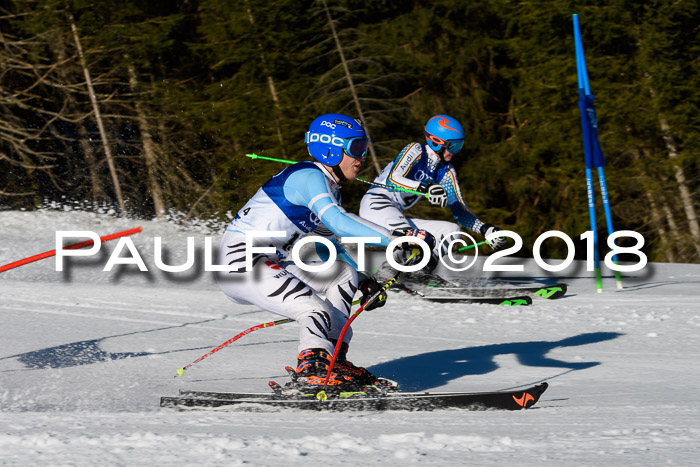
(75, 246)
(181, 371)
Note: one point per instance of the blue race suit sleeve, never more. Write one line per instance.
(462, 215)
(309, 187)
(323, 252)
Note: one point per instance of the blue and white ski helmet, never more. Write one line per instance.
(444, 132)
(330, 134)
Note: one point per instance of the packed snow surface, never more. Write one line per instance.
(86, 354)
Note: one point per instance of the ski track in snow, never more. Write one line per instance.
(86, 354)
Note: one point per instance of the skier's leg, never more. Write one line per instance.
(339, 288)
(339, 284)
(379, 209)
(441, 230)
(272, 288)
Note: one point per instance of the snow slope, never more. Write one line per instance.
(86, 354)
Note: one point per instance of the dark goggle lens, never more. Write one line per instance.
(357, 148)
(454, 146)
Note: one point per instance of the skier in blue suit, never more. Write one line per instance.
(301, 199)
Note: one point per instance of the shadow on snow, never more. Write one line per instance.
(413, 373)
(434, 369)
(88, 352)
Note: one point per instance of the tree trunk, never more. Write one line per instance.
(148, 147)
(98, 117)
(686, 198)
(98, 193)
(96, 189)
(658, 223)
(355, 98)
(656, 217)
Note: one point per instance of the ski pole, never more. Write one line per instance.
(181, 371)
(74, 246)
(322, 394)
(395, 188)
(284, 161)
(472, 246)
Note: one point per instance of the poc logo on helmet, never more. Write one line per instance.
(326, 139)
(328, 124)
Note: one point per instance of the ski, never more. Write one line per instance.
(503, 301)
(548, 292)
(412, 401)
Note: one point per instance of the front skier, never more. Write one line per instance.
(301, 199)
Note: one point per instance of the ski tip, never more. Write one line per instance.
(551, 292)
(276, 387)
(180, 372)
(530, 396)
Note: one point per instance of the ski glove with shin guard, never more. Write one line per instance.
(436, 193)
(496, 243)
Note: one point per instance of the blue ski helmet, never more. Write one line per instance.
(444, 132)
(330, 134)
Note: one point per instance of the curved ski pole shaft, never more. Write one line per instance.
(322, 394)
(181, 371)
(394, 188)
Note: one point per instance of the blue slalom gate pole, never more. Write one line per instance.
(591, 217)
(583, 91)
(593, 154)
(608, 218)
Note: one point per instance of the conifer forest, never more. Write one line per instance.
(149, 107)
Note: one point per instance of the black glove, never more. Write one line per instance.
(369, 287)
(495, 243)
(407, 248)
(436, 193)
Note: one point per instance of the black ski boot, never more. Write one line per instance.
(362, 375)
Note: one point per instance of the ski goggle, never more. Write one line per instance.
(451, 145)
(355, 147)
